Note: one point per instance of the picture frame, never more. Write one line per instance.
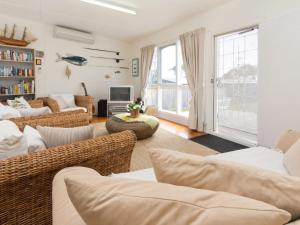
(38, 62)
(135, 67)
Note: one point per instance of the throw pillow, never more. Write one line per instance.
(112, 201)
(218, 175)
(19, 103)
(34, 139)
(7, 112)
(287, 140)
(12, 141)
(54, 136)
(67, 100)
(291, 159)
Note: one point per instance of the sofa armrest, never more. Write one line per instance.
(87, 102)
(51, 103)
(38, 103)
(26, 181)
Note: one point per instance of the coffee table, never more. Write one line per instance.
(143, 126)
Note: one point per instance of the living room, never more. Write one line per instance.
(114, 109)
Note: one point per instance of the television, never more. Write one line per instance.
(120, 94)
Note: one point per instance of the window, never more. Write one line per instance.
(236, 86)
(167, 87)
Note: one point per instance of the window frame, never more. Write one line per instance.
(160, 85)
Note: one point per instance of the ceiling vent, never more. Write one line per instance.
(73, 35)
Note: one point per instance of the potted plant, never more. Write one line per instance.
(134, 109)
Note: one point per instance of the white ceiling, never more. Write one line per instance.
(152, 15)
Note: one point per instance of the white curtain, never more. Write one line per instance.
(192, 45)
(146, 61)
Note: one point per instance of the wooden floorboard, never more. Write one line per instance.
(170, 126)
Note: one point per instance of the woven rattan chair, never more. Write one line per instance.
(82, 101)
(26, 181)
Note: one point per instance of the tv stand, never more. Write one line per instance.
(114, 108)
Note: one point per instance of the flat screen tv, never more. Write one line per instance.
(121, 93)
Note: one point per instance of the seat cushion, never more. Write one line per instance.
(7, 112)
(114, 201)
(62, 208)
(292, 159)
(34, 111)
(74, 109)
(218, 175)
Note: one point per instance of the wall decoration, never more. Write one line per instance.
(38, 62)
(107, 76)
(68, 72)
(7, 39)
(39, 54)
(135, 67)
(75, 60)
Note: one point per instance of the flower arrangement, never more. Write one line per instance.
(134, 108)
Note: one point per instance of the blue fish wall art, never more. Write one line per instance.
(75, 60)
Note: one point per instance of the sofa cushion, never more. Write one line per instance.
(292, 159)
(64, 100)
(112, 201)
(7, 112)
(74, 109)
(218, 175)
(62, 207)
(54, 136)
(34, 139)
(34, 111)
(287, 139)
(12, 141)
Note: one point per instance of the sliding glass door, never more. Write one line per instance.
(236, 83)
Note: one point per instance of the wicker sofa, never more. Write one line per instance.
(26, 181)
(81, 101)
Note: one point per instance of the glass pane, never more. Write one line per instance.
(153, 77)
(168, 64)
(237, 81)
(184, 98)
(181, 72)
(169, 99)
(151, 96)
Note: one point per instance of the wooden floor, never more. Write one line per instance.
(172, 127)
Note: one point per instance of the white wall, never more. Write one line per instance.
(52, 77)
(279, 76)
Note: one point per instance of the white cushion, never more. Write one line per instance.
(12, 141)
(34, 111)
(7, 112)
(19, 103)
(74, 109)
(54, 136)
(292, 159)
(34, 139)
(64, 100)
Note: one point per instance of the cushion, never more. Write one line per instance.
(287, 140)
(291, 159)
(63, 210)
(54, 136)
(218, 175)
(12, 141)
(115, 201)
(34, 111)
(19, 103)
(34, 139)
(74, 109)
(7, 112)
(64, 100)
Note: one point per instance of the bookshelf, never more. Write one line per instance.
(17, 72)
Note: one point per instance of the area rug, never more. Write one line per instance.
(219, 144)
(161, 139)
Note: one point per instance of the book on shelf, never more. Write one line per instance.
(12, 71)
(20, 88)
(16, 56)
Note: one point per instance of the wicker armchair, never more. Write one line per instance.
(26, 181)
(82, 101)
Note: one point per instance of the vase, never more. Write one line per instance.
(135, 113)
